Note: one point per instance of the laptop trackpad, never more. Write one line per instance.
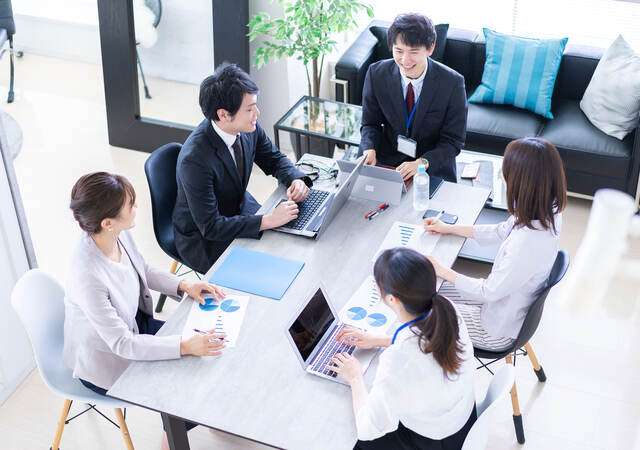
(316, 223)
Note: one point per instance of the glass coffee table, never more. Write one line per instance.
(328, 121)
(495, 210)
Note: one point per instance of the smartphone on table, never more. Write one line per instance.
(446, 218)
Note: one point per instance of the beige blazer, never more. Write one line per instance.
(101, 336)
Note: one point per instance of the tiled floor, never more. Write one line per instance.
(591, 399)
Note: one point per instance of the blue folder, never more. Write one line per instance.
(257, 273)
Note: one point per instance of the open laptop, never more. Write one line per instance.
(376, 183)
(382, 184)
(313, 333)
(318, 210)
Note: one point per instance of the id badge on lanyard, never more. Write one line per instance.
(406, 145)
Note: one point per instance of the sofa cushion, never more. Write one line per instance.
(612, 99)
(582, 146)
(491, 127)
(383, 52)
(520, 72)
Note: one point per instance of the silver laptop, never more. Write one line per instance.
(376, 183)
(318, 210)
(313, 334)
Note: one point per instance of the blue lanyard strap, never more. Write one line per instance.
(409, 116)
(404, 325)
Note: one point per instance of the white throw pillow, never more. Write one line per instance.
(612, 99)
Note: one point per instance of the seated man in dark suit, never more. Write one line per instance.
(213, 206)
(414, 109)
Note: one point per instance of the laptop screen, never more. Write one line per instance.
(311, 324)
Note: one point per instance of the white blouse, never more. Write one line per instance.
(410, 387)
(522, 265)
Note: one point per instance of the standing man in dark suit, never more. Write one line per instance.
(414, 109)
(213, 206)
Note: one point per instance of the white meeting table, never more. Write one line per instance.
(258, 389)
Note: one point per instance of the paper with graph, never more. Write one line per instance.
(225, 316)
(402, 234)
(366, 310)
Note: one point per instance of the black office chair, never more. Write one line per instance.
(7, 30)
(521, 345)
(160, 169)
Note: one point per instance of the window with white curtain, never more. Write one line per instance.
(584, 22)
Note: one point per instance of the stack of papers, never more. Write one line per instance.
(366, 310)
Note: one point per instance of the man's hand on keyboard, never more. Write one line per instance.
(298, 191)
(285, 212)
(347, 366)
(358, 338)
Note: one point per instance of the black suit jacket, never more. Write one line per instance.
(439, 123)
(213, 206)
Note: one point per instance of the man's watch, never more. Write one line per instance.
(424, 161)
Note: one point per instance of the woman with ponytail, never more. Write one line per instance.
(422, 396)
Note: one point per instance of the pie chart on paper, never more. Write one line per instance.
(230, 305)
(209, 304)
(356, 313)
(376, 319)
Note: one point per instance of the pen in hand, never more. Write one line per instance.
(206, 332)
(438, 216)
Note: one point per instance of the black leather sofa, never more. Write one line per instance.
(592, 159)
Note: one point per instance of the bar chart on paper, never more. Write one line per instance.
(402, 234)
(222, 316)
(366, 310)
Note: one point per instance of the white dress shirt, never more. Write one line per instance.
(416, 83)
(522, 265)
(411, 387)
(228, 139)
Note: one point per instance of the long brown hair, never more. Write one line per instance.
(410, 277)
(98, 196)
(536, 184)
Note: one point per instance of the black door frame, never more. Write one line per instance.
(126, 128)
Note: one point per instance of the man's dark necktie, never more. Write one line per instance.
(410, 99)
(237, 152)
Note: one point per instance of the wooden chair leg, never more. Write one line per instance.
(163, 298)
(123, 429)
(517, 417)
(537, 368)
(63, 418)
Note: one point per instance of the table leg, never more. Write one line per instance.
(298, 149)
(176, 432)
(276, 137)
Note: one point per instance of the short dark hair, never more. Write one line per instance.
(98, 196)
(225, 89)
(410, 277)
(413, 29)
(536, 184)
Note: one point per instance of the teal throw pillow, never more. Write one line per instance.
(520, 72)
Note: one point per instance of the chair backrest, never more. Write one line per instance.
(501, 383)
(532, 319)
(39, 302)
(160, 169)
(6, 17)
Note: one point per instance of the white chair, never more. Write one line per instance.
(499, 387)
(39, 301)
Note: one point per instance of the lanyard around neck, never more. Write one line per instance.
(404, 325)
(407, 115)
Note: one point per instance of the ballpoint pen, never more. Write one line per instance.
(438, 216)
(371, 214)
(206, 332)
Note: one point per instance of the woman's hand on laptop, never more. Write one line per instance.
(347, 366)
(298, 191)
(358, 338)
(285, 212)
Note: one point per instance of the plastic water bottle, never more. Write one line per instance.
(421, 189)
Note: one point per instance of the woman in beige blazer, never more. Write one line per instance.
(108, 309)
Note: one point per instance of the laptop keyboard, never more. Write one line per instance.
(306, 209)
(329, 349)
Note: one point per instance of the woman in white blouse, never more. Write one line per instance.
(422, 395)
(494, 308)
(108, 309)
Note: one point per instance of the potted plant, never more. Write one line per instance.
(305, 32)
